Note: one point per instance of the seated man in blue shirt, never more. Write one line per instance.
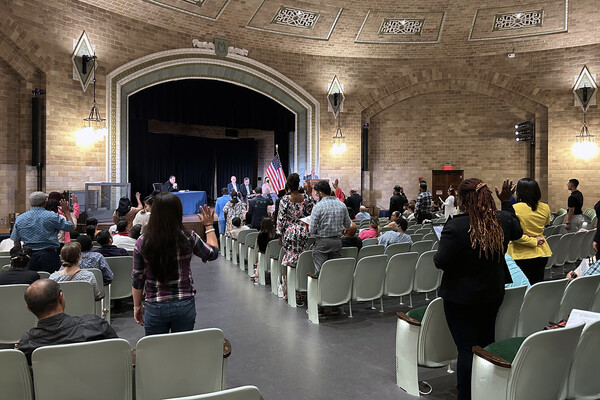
(396, 235)
(363, 214)
(38, 229)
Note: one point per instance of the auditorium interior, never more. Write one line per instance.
(374, 93)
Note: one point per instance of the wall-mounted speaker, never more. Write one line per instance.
(36, 132)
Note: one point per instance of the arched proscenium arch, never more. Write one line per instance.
(179, 64)
(488, 83)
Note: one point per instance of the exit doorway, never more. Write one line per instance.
(442, 180)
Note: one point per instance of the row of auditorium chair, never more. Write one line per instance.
(186, 365)
(423, 337)
(570, 248)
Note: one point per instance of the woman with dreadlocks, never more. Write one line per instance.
(471, 254)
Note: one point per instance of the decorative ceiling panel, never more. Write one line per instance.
(401, 27)
(295, 18)
(210, 9)
(520, 20)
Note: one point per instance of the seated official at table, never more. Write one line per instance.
(170, 185)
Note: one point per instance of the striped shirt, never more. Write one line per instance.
(329, 218)
(177, 289)
(423, 205)
(38, 228)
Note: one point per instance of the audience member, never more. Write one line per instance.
(338, 192)
(170, 185)
(64, 236)
(574, 219)
(236, 228)
(92, 259)
(265, 235)
(233, 186)
(74, 235)
(354, 201)
(351, 213)
(423, 205)
(393, 218)
(70, 255)
(292, 232)
(266, 186)
(135, 232)
(372, 231)
(246, 190)
(90, 231)
(219, 205)
(107, 248)
(398, 200)
(46, 301)
(471, 254)
(516, 274)
(531, 252)
(363, 214)
(397, 234)
(328, 220)
(163, 291)
(593, 269)
(450, 204)
(143, 216)
(349, 238)
(234, 208)
(94, 222)
(126, 210)
(410, 212)
(38, 229)
(18, 272)
(257, 209)
(121, 238)
(280, 195)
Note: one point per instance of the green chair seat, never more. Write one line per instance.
(417, 313)
(507, 348)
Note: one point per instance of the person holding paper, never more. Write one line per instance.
(584, 270)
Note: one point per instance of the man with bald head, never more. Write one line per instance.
(45, 299)
(350, 239)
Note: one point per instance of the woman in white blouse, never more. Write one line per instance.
(450, 204)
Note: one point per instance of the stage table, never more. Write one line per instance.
(191, 201)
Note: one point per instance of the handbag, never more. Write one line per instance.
(280, 287)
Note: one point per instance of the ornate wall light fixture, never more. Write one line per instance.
(585, 95)
(335, 100)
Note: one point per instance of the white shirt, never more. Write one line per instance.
(449, 207)
(124, 242)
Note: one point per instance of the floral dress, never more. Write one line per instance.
(293, 232)
(234, 210)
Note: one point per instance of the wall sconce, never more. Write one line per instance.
(335, 100)
(585, 95)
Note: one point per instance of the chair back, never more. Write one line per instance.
(157, 186)
(6, 267)
(386, 229)
(106, 300)
(558, 220)
(562, 252)
(4, 260)
(15, 378)
(506, 321)
(416, 237)
(548, 231)
(242, 235)
(369, 242)
(369, 277)
(238, 393)
(436, 346)
(122, 266)
(272, 251)
(44, 274)
(575, 247)
(250, 240)
(540, 306)
(427, 276)
(194, 361)
(399, 274)
(335, 281)
(553, 241)
(16, 318)
(435, 246)
(430, 236)
(79, 297)
(579, 294)
(373, 250)
(587, 251)
(96, 370)
(412, 229)
(305, 264)
(397, 248)
(421, 246)
(351, 252)
(583, 382)
(542, 364)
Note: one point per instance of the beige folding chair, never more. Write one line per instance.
(369, 277)
(427, 276)
(399, 275)
(579, 294)
(351, 252)
(583, 382)
(397, 248)
(16, 318)
(372, 250)
(252, 255)
(540, 305)
(15, 377)
(506, 319)
(297, 278)
(79, 297)
(122, 267)
(421, 246)
(333, 287)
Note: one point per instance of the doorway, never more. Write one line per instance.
(442, 180)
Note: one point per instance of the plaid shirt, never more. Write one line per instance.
(593, 269)
(329, 218)
(180, 288)
(38, 228)
(423, 205)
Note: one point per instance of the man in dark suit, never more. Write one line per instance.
(398, 200)
(257, 209)
(170, 185)
(246, 190)
(354, 201)
(233, 185)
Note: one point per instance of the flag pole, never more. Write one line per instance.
(276, 149)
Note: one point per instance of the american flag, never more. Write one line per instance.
(275, 174)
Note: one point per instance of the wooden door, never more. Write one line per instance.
(442, 180)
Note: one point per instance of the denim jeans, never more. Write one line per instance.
(222, 226)
(165, 316)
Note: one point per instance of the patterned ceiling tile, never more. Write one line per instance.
(401, 27)
(210, 9)
(295, 18)
(520, 20)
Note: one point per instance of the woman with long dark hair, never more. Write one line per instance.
(471, 254)
(127, 211)
(531, 251)
(161, 266)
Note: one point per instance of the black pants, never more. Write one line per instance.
(423, 217)
(533, 268)
(470, 325)
(45, 260)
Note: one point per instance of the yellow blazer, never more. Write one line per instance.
(532, 223)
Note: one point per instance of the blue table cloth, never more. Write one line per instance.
(191, 201)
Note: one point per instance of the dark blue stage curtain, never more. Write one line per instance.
(193, 160)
